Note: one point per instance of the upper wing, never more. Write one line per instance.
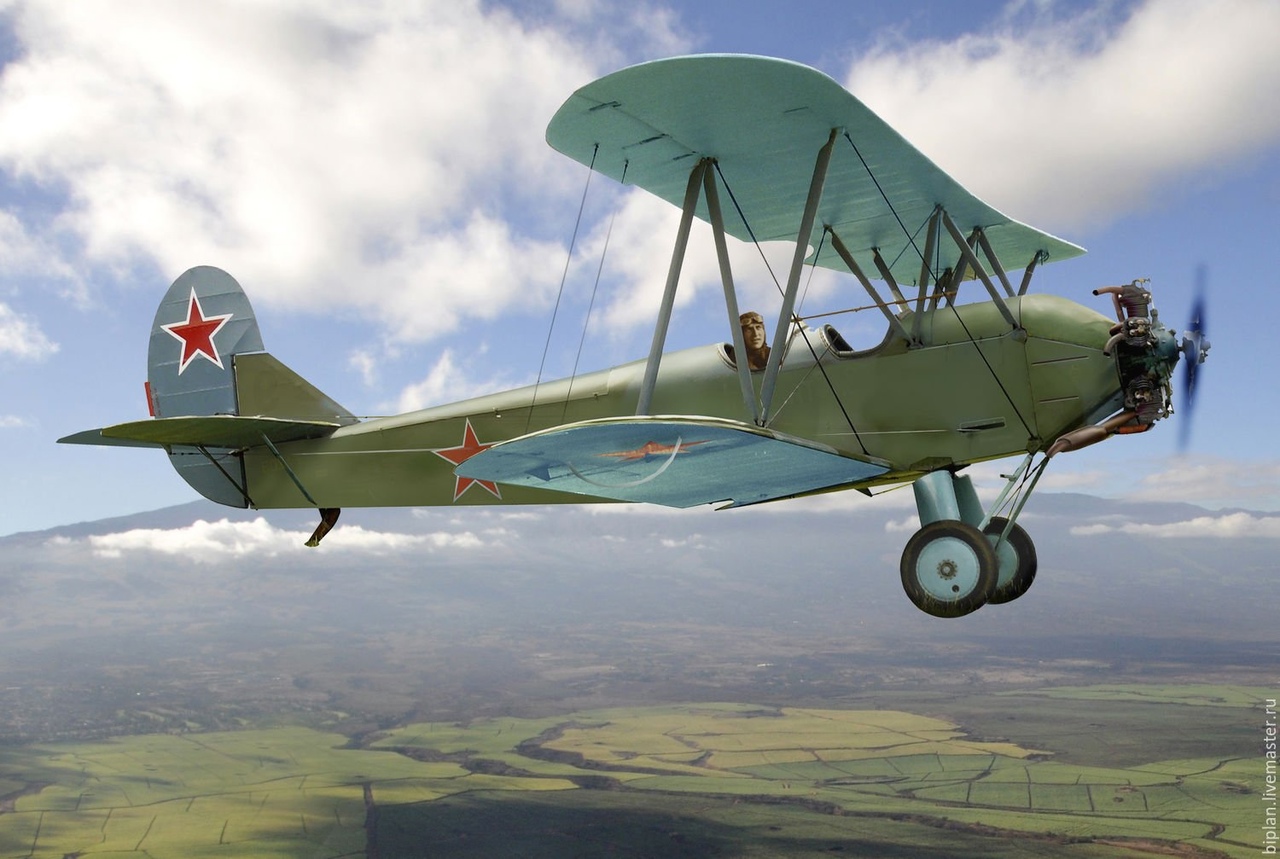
(763, 120)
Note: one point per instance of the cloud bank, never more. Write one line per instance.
(372, 155)
(1226, 526)
(21, 337)
(212, 542)
(1067, 120)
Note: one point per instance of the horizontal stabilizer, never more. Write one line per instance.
(220, 431)
(672, 461)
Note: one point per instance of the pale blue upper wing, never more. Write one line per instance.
(764, 121)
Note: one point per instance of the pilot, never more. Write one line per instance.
(753, 336)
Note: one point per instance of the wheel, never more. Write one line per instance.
(949, 569)
(1017, 560)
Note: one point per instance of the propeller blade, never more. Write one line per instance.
(1195, 348)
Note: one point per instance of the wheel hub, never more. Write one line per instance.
(947, 569)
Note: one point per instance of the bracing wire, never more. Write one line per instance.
(813, 269)
(564, 276)
(933, 274)
(1030, 476)
(817, 359)
(742, 216)
(592, 303)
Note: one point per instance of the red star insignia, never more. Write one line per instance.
(195, 333)
(457, 455)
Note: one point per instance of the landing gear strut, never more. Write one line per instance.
(1016, 555)
(961, 559)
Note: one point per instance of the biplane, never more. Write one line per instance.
(763, 150)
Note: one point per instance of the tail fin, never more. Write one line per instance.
(206, 359)
(213, 392)
(203, 321)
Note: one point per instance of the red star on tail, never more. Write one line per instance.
(195, 333)
(457, 455)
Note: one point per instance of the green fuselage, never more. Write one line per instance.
(975, 389)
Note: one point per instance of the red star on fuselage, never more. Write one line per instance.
(457, 455)
(195, 333)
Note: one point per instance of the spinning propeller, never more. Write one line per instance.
(1195, 348)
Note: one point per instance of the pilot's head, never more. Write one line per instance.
(752, 330)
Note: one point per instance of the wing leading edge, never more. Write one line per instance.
(763, 120)
(671, 461)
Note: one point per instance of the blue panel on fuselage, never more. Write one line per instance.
(672, 461)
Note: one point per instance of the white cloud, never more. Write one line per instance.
(27, 256)
(1212, 481)
(1064, 121)
(907, 525)
(325, 153)
(21, 337)
(366, 364)
(692, 541)
(1230, 525)
(447, 381)
(638, 509)
(13, 422)
(208, 542)
(438, 386)
(447, 540)
(639, 256)
(521, 516)
(202, 541)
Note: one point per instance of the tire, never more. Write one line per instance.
(949, 569)
(1016, 559)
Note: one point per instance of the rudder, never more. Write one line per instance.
(203, 321)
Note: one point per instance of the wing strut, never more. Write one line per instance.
(243, 490)
(1036, 259)
(926, 270)
(730, 295)
(894, 322)
(968, 256)
(994, 260)
(289, 471)
(793, 279)
(926, 264)
(644, 406)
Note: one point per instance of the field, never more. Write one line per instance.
(688, 779)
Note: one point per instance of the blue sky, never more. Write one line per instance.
(375, 175)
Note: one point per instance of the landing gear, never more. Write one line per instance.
(949, 569)
(1016, 555)
(961, 559)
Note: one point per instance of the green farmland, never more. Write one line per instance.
(680, 780)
